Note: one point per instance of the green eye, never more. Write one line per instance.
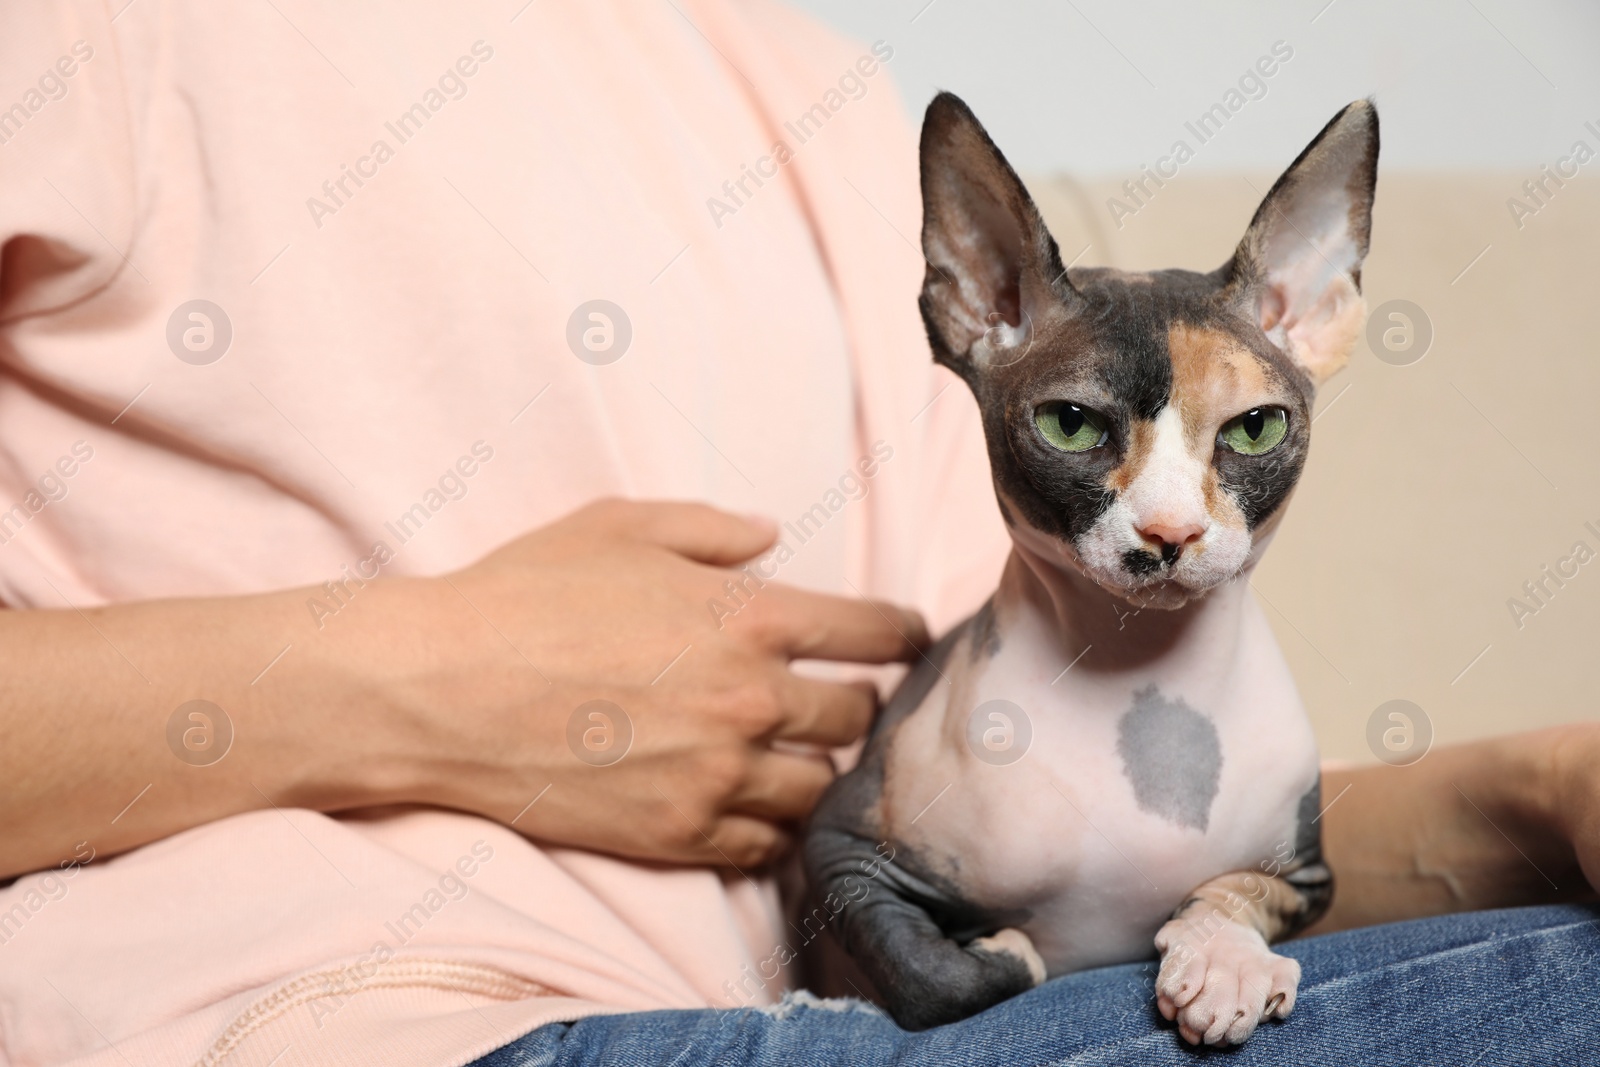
(1070, 427)
(1256, 432)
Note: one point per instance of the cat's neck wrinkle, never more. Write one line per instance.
(1081, 615)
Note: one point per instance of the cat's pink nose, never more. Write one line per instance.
(1163, 534)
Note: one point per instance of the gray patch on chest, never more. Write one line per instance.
(1173, 757)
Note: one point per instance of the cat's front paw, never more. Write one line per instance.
(1219, 981)
(1013, 942)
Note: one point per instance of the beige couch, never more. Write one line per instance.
(1435, 490)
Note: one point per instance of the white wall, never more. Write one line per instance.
(1101, 87)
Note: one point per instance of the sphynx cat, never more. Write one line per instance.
(1111, 754)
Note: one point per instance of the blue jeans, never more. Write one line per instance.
(1520, 986)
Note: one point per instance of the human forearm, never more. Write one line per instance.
(1479, 825)
(531, 672)
(87, 698)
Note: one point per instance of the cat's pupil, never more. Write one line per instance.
(1071, 420)
(1255, 420)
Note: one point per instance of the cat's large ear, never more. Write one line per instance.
(1298, 269)
(993, 268)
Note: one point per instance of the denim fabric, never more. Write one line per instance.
(1520, 986)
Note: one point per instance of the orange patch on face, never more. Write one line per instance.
(1141, 441)
(1213, 379)
(1220, 504)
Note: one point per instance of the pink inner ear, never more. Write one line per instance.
(1319, 327)
(1008, 303)
(1270, 308)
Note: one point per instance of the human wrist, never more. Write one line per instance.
(1538, 797)
(1569, 756)
(1526, 779)
(348, 712)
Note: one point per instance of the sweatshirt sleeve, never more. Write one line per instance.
(67, 187)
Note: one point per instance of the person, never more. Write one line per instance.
(462, 472)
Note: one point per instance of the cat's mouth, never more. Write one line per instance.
(1117, 560)
(1163, 591)
(1115, 557)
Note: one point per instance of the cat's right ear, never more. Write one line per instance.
(993, 269)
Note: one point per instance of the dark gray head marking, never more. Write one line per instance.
(1172, 755)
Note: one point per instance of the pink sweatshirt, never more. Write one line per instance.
(393, 213)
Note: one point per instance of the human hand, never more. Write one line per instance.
(611, 603)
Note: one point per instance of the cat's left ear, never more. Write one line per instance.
(1298, 269)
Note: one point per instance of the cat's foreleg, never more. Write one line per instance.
(1218, 979)
(926, 976)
